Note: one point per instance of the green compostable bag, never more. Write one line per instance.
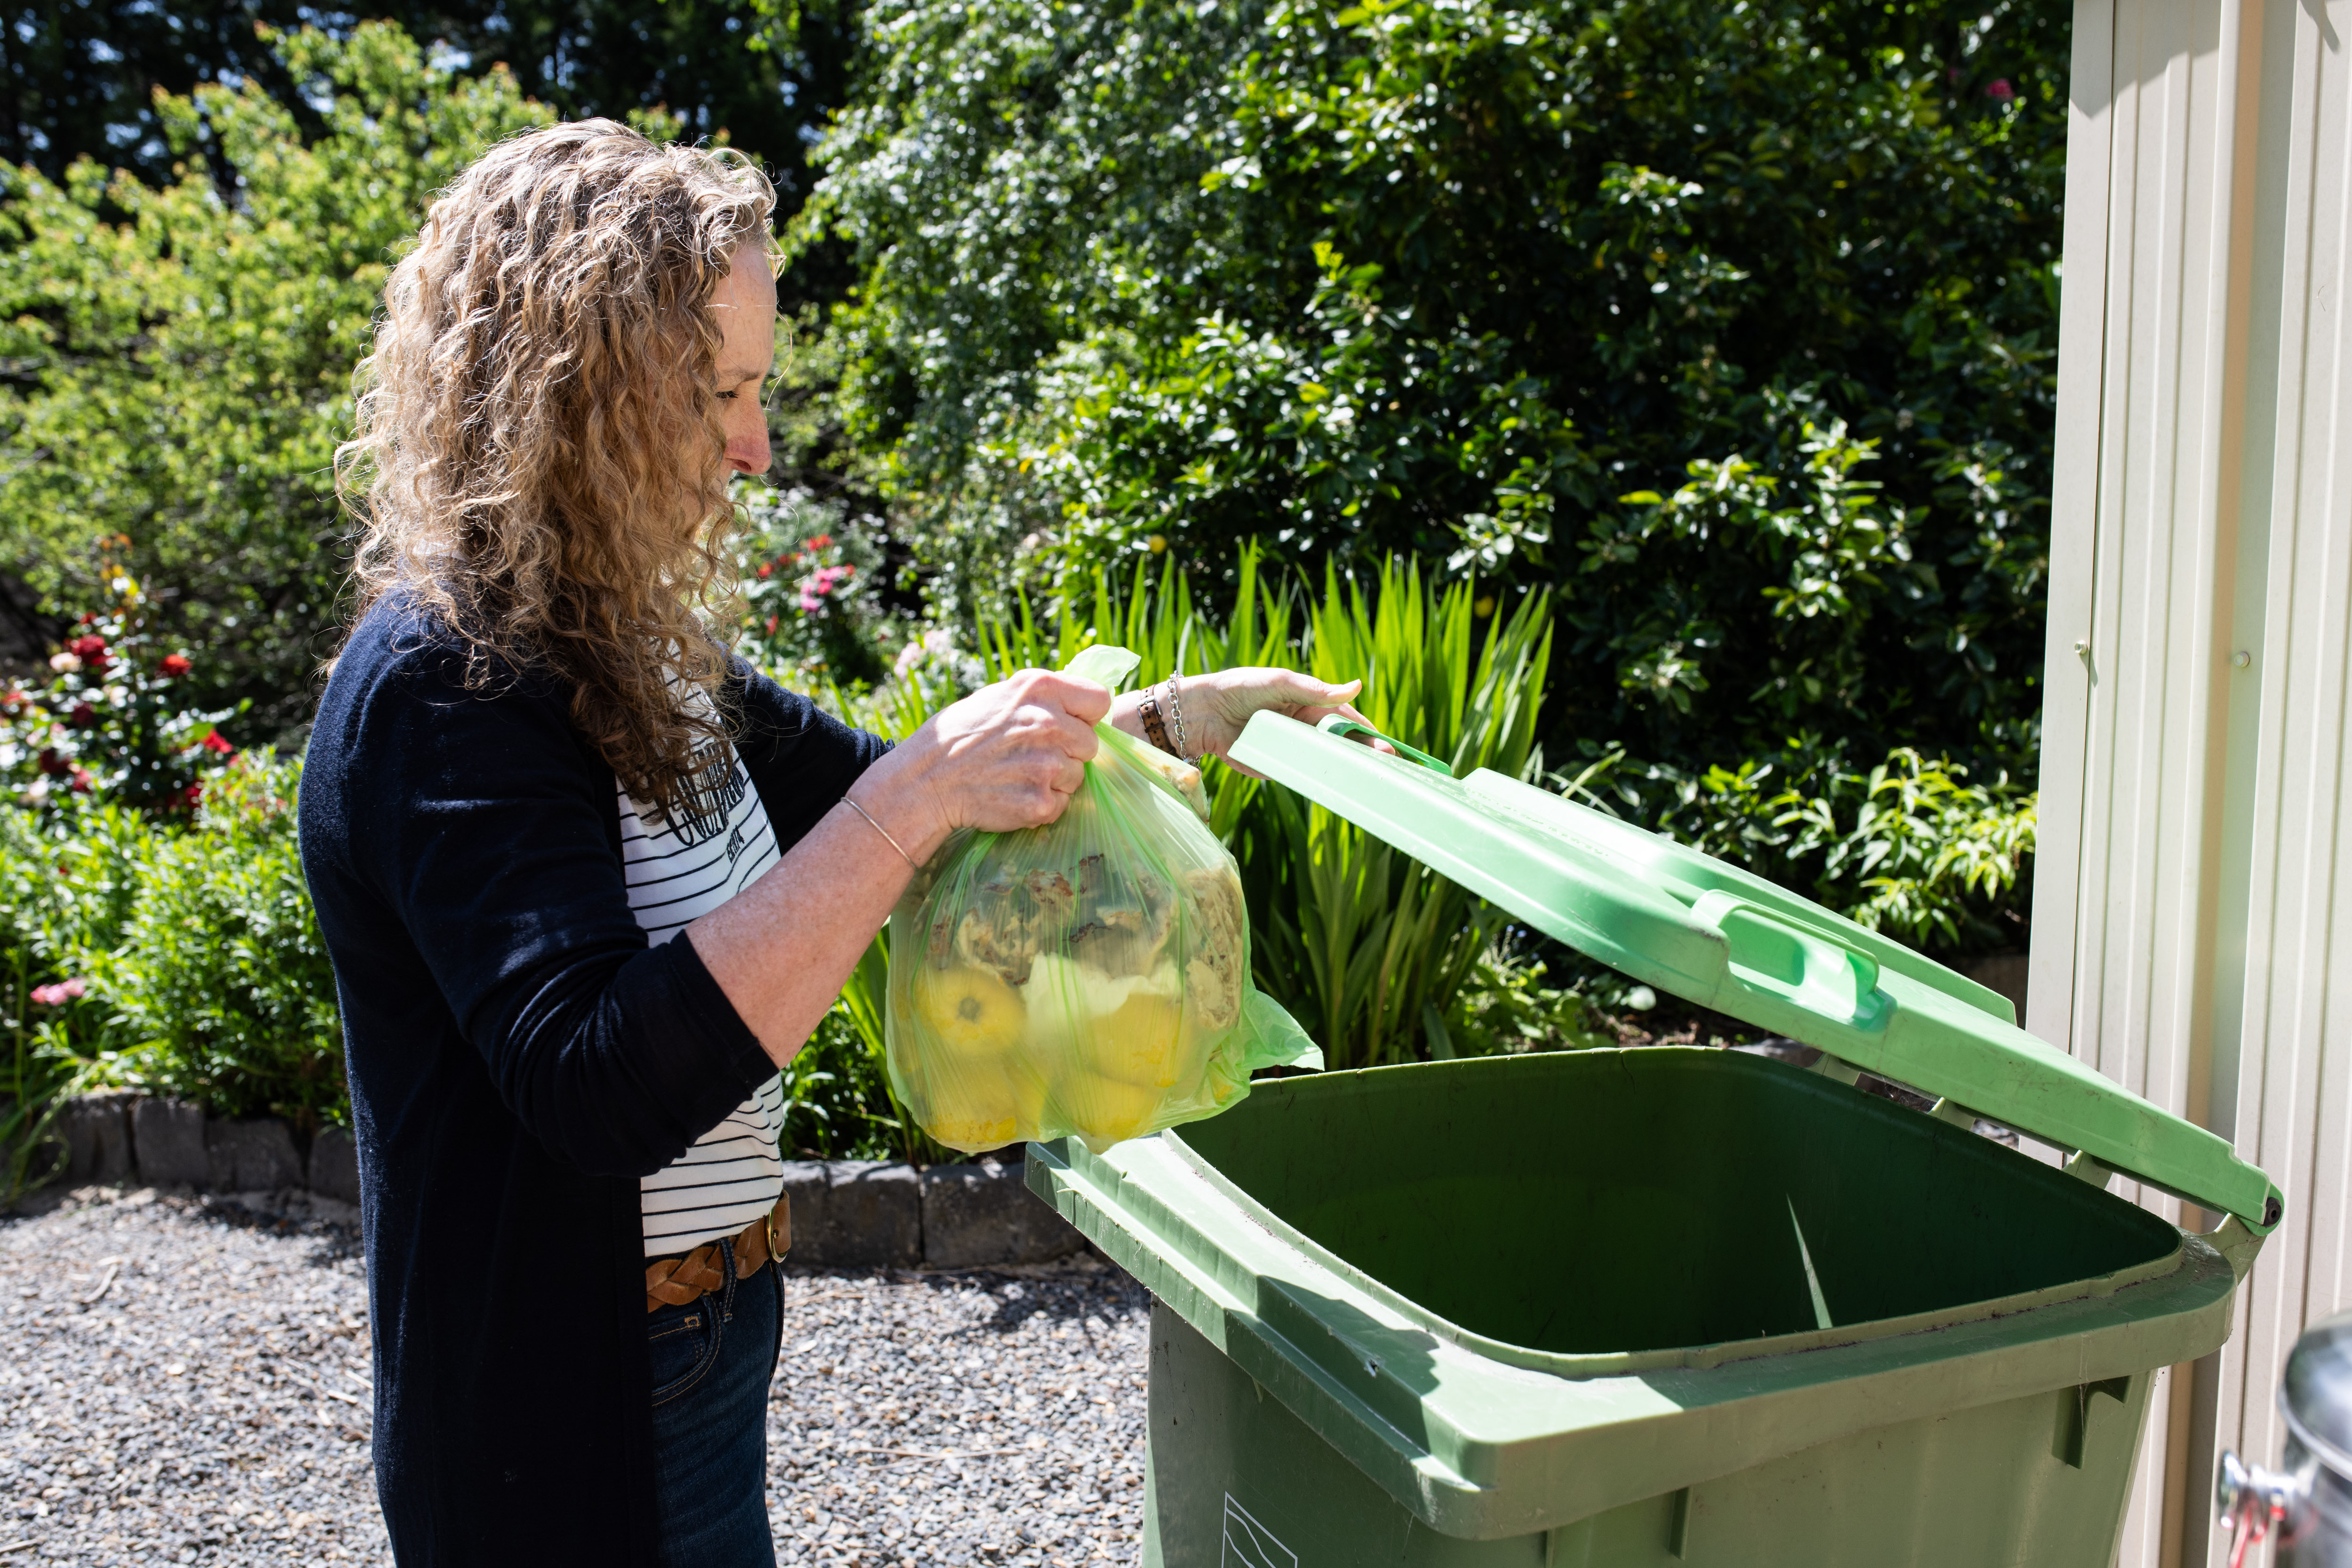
(1086, 978)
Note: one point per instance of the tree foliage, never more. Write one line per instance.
(1730, 322)
(179, 376)
(80, 78)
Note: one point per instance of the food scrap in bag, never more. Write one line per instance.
(1086, 978)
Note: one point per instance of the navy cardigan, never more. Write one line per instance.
(518, 1057)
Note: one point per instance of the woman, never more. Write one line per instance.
(588, 882)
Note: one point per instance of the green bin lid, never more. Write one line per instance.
(1686, 923)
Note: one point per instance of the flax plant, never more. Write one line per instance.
(1364, 945)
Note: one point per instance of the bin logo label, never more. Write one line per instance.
(1249, 1544)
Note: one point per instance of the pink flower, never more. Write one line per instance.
(81, 779)
(175, 665)
(2001, 91)
(63, 992)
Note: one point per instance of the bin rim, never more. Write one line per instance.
(1485, 1449)
(1583, 1364)
(1689, 924)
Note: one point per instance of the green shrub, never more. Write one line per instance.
(67, 879)
(1505, 1009)
(219, 975)
(1487, 282)
(179, 363)
(1912, 848)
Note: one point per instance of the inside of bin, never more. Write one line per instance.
(1602, 1202)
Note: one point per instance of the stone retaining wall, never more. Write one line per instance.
(847, 1214)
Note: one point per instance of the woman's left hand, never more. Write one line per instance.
(1215, 706)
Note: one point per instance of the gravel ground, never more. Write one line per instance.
(979, 1418)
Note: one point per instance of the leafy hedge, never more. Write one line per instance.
(1731, 324)
(176, 955)
(178, 365)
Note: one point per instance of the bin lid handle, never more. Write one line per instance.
(1334, 724)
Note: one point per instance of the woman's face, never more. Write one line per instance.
(745, 307)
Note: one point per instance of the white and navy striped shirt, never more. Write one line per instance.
(677, 871)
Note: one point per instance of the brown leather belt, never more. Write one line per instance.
(675, 1281)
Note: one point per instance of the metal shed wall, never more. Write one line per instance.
(2186, 932)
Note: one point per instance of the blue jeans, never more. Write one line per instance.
(712, 1360)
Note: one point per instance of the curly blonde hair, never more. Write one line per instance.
(539, 462)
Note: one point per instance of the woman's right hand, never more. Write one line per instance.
(1009, 757)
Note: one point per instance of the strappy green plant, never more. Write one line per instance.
(1366, 947)
(1366, 944)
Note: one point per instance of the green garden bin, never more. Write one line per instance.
(1659, 1306)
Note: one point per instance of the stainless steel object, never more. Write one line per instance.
(2305, 1509)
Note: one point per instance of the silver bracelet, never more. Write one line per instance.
(885, 832)
(1176, 717)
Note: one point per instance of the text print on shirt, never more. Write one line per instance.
(678, 869)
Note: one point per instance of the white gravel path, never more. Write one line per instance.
(186, 1381)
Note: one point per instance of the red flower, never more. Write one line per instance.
(822, 541)
(175, 663)
(2001, 91)
(89, 647)
(82, 717)
(51, 763)
(772, 626)
(189, 796)
(85, 617)
(81, 779)
(765, 570)
(213, 742)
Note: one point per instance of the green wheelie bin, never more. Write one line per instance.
(1666, 1306)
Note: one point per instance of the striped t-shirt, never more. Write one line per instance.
(679, 869)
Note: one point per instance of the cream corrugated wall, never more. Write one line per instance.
(2186, 936)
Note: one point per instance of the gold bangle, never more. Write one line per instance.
(885, 832)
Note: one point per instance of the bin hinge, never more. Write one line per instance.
(1836, 1071)
(1958, 1116)
(2237, 1244)
(2095, 1172)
